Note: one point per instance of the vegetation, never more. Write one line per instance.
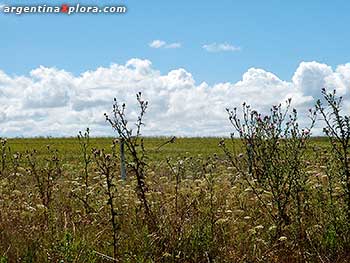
(270, 193)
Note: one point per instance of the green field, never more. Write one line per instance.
(70, 151)
(199, 204)
(69, 147)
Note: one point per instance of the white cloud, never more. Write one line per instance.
(51, 101)
(221, 47)
(157, 44)
(162, 44)
(174, 45)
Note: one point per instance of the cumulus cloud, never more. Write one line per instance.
(162, 44)
(220, 47)
(51, 101)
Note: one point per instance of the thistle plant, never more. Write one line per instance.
(105, 167)
(46, 177)
(3, 156)
(84, 143)
(134, 143)
(337, 129)
(272, 161)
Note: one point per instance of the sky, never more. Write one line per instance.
(192, 59)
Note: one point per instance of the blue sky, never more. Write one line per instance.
(274, 35)
(59, 73)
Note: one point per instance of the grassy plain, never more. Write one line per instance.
(56, 208)
(70, 151)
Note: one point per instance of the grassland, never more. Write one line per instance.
(70, 151)
(69, 147)
(56, 207)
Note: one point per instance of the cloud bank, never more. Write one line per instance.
(55, 102)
